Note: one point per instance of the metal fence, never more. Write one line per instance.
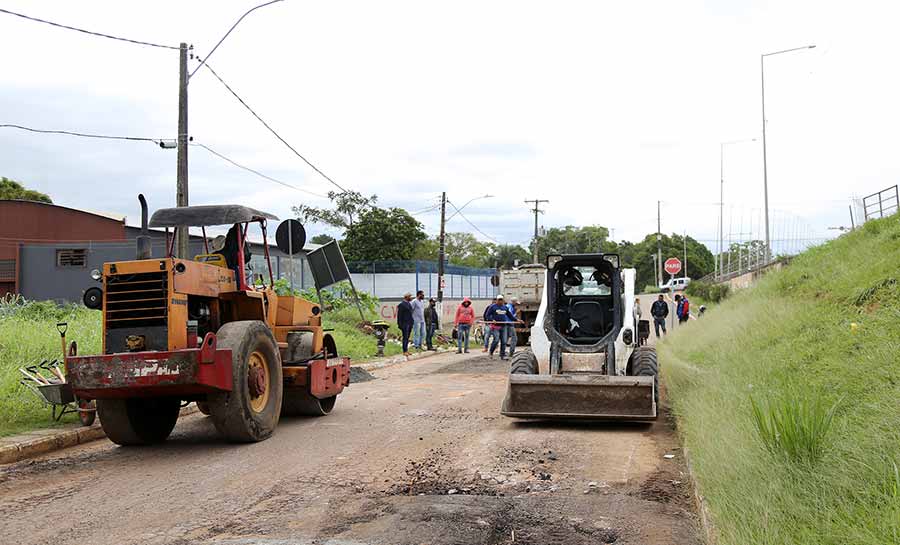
(881, 204)
(389, 279)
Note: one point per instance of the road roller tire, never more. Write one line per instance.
(299, 402)
(138, 421)
(250, 411)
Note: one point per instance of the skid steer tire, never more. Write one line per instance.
(240, 415)
(645, 364)
(524, 363)
(138, 421)
(203, 407)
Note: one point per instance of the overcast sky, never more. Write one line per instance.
(601, 107)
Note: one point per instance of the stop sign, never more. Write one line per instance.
(672, 265)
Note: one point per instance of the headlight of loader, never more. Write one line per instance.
(96, 275)
(628, 336)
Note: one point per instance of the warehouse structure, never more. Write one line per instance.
(47, 251)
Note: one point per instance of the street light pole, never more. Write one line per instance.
(762, 69)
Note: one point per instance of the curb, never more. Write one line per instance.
(706, 523)
(396, 360)
(34, 443)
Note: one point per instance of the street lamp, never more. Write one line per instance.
(762, 69)
(720, 262)
(470, 201)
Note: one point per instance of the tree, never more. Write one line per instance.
(10, 189)
(589, 239)
(321, 239)
(348, 206)
(381, 234)
(641, 256)
(460, 249)
(506, 255)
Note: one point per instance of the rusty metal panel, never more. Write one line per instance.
(582, 362)
(597, 397)
(143, 373)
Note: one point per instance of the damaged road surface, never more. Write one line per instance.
(420, 455)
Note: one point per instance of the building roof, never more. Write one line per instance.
(105, 215)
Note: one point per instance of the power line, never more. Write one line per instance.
(258, 173)
(425, 210)
(81, 134)
(278, 136)
(83, 31)
(463, 216)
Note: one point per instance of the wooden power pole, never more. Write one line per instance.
(537, 210)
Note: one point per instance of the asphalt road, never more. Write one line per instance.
(420, 455)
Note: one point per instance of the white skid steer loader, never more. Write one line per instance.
(587, 357)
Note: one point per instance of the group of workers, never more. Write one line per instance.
(660, 311)
(416, 319)
(419, 321)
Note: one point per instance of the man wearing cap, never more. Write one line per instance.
(496, 317)
(512, 317)
(405, 320)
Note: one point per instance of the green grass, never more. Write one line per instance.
(26, 338)
(352, 341)
(792, 414)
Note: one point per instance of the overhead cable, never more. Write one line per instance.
(260, 174)
(463, 216)
(83, 31)
(278, 136)
(81, 134)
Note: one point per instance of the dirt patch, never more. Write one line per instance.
(480, 365)
(358, 374)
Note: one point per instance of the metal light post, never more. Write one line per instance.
(720, 262)
(762, 69)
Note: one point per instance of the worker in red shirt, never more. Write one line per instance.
(465, 317)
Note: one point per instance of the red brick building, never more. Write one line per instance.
(23, 222)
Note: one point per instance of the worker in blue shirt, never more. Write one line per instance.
(496, 317)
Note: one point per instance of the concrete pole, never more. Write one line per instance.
(181, 195)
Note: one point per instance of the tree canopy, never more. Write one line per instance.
(589, 239)
(11, 189)
(348, 206)
(321, 239)
(382, 234)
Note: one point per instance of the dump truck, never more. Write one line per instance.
(586, 360)
(202, 329)
(525, 283)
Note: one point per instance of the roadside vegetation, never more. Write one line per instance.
(28, 335)
(787, 396)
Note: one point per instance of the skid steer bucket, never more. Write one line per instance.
(580, 396)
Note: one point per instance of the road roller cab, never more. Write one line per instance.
(206, 329)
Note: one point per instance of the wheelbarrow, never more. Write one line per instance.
(47, 381)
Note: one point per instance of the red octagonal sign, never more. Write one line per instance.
(672, 265)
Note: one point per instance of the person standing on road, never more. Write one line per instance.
(486, 327)
(418, 315)
(497, 315)
(683, 310)
(465, 317)
(637, 312)
(512, 317)
(432, 323)
(405, 320)
(659, 311)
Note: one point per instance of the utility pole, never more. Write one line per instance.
(441, 251)
(684, 272)
(659, 274)
(181, 196)
(537, 210)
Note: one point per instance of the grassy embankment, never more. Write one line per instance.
(823, 334)
(28, 335)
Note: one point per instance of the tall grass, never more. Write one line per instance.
(791, 415)
(794, 427)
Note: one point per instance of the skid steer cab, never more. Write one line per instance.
(587, 359)
(202, 329)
